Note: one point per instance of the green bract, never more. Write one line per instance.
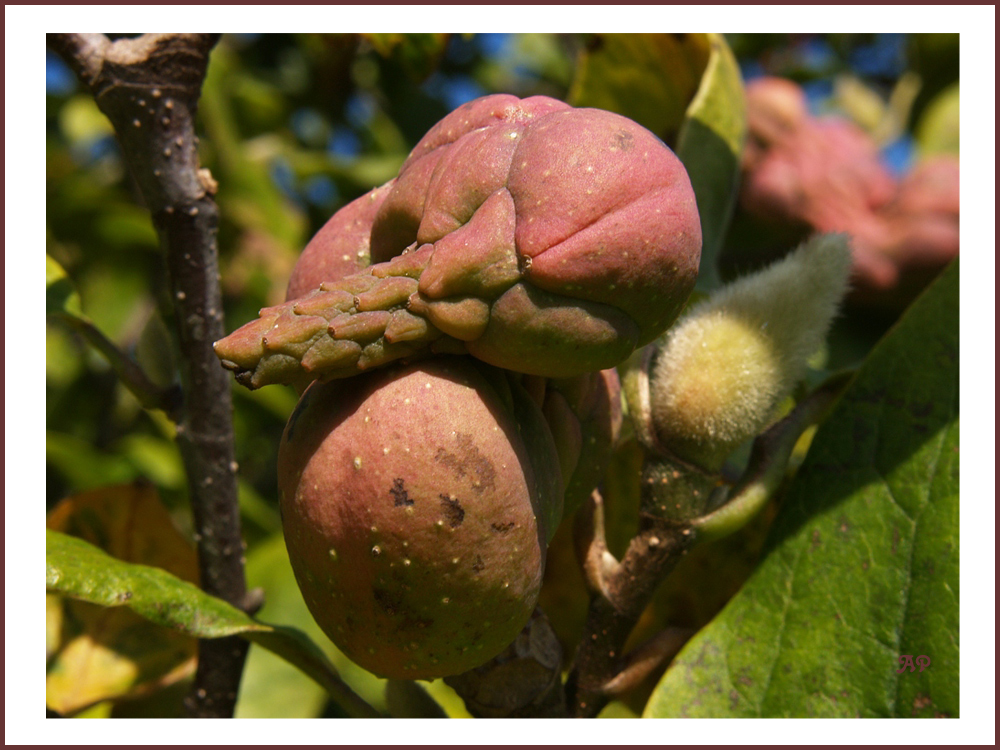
(537, 237)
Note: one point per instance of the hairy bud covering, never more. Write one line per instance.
(733, 357)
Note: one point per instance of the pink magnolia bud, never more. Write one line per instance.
(543, 239)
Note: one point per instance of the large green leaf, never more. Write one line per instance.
(711, 144)
(863, 563)
(77, 569)
(650, 78)
(271, 687)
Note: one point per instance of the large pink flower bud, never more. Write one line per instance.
(537, 237)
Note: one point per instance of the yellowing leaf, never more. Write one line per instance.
(130, 523)
(79, 570)
(96, 653)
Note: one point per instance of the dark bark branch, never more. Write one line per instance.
(618, 599)
(149, 88)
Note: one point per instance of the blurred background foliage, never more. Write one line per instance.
(295, 126)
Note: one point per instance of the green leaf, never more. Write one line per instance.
(82, 122)
(711, 144)
(272, 688)
(83, 465)
(862, 568)
(61, 296)
(937, 130)
(650, 78)
(77, 569)
(408, 699)
(251, 197)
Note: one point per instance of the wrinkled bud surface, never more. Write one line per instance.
(416, 503)
(341, 247)
(732, 358)
(543, 239)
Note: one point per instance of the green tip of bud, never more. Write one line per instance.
(732, 358)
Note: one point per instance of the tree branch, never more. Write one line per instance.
(149, 88)
(147, 393)
(620, 593)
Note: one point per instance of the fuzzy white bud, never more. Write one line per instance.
(729, 362)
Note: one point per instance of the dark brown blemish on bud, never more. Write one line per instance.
(478, 566)
(399, 494)
(502, 528)
(453, 511)
(623, 140)
(468, 461)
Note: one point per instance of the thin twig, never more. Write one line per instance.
(147, 393)
(149, 88)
